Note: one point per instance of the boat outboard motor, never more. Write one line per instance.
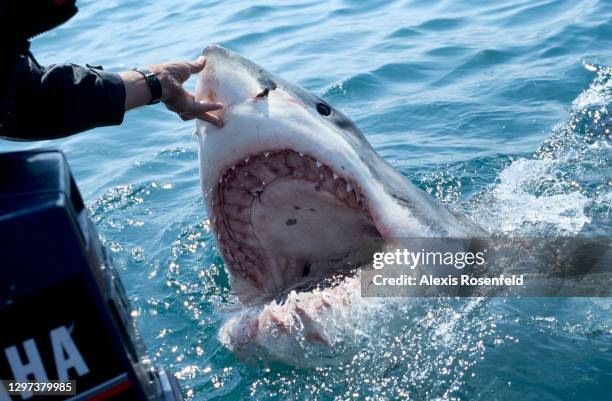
(64, 315)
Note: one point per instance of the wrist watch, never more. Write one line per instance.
(152, 82)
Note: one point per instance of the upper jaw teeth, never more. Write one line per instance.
(253, 181)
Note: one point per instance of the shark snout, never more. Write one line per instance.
(231, 80)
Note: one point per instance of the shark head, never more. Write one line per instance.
(293, 188)
(296, 195)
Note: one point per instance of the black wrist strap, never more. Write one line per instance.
(152, 82)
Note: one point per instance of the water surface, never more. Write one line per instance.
(499, 109)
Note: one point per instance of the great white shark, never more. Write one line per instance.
(295, 195)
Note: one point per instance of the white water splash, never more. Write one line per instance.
(567, 185)
(514, 209)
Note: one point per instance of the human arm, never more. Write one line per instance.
(61, 100)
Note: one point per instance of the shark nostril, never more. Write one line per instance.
(263, 94)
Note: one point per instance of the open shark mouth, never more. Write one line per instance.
(284, 220)
(299, 201)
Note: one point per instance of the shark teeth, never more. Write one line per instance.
(241, 186)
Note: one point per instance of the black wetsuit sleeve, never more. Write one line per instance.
(61, 100)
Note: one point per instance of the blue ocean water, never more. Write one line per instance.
(501, 109)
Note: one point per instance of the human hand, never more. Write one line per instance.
(176, 98)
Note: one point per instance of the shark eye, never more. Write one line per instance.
(323, 109)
